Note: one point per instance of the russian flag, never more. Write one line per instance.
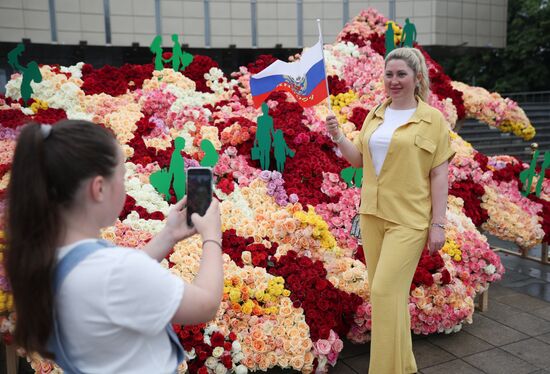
(304, 79)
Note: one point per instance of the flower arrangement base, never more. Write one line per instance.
(482, 303)
(12, 359)
(524, 252)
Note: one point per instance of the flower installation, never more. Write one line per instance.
(296, 281)
(492, 109)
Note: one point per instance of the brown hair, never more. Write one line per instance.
(416, 61)
(48, 168)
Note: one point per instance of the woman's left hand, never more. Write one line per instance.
(176, 224)
(436, 239)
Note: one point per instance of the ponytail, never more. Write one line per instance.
(416, 61)
(48, 168)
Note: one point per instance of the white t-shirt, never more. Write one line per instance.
(381, 137)
(113, 309)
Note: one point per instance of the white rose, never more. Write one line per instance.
(211, 329)
(217, 352)
(220, 369)
(241, 369)
(236, 346)
(238, 357)
(490, 269)
(211, 362)
(191, 354)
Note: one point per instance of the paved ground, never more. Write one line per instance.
(513, 336)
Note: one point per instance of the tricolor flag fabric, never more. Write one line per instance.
(304, 79)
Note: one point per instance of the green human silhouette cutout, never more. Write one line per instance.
(409, 34)
(29, 73)
(262, 142)
(178, 56)
(526, 176)
(211, 157)
(156, 49)
(390, 42)
(352, 176)
(358, 179)
(13, 56)
(347, 175)
(177, 168)
(161, 181)
(281, 150)
(175, 174)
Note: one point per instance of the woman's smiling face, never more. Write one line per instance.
(399, 80)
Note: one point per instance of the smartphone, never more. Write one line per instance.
(199, 191)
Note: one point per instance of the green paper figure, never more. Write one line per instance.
(161, 181)
(156, 49)
(178, 56)
(262, 143)
(281, 150)
(180, 60)
(175, 174)
(527, 175)
(352, 176)
(177, 168)
(211, 157)
(409, 34)
(29, 74)
(390, 42)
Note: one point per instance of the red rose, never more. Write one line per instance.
(157, 216)
(445, 276)
(226, 361)
(216, 340)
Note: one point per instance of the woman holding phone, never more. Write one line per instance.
(81, 301)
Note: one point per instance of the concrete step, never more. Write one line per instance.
(505, 148)
(505, 139)
(534, 106)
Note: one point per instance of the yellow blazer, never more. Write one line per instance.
(402, 192)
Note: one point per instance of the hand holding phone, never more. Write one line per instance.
(199, 191)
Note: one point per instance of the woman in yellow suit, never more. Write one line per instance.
(404, 150)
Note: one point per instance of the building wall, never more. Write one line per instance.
(478, 23)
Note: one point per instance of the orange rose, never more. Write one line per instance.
(290, 225)
(257, 334)
(258, 345)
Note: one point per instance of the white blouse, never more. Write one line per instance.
(381, 137)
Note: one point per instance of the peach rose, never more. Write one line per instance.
(297, 362)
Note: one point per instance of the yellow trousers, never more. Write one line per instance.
(392, 252)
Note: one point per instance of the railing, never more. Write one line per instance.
(532, 96)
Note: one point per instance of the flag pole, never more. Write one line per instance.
(324, 65)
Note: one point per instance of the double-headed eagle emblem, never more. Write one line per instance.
(298, 85)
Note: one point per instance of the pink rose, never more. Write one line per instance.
(322, 346)
(338, 345)
(332, 357)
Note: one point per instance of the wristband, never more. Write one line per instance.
(212, 241)
(340, 139)
(440, 225)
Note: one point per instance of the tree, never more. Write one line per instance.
(524, 65)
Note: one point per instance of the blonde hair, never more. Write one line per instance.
(416, 61)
